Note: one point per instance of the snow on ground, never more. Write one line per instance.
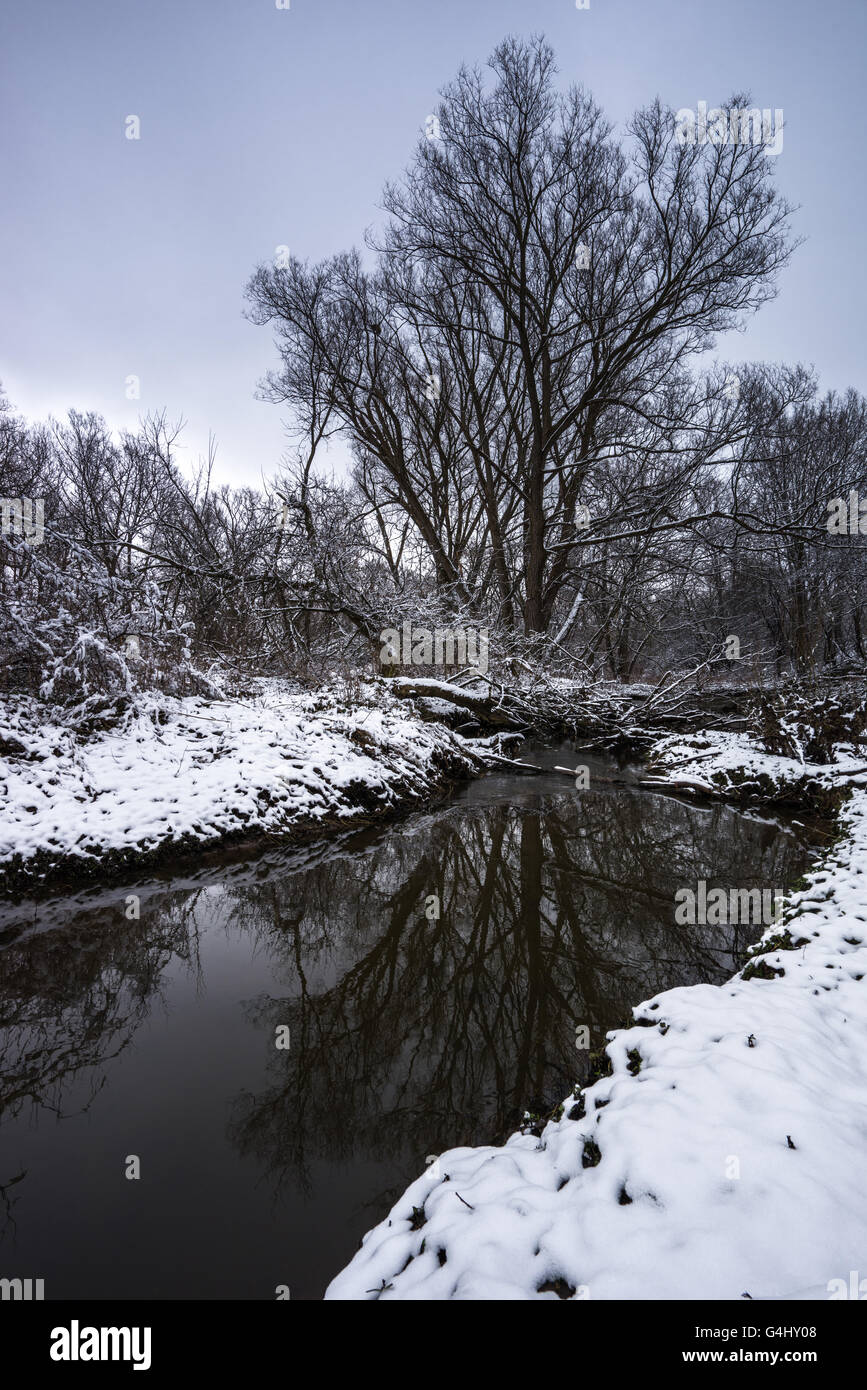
(725, 1156)
(193, 770)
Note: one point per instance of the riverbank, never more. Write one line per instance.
(166, 777)
(150, 780)
(723, 1155)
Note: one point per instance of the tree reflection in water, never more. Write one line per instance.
(408, 1035)
(411, 1035)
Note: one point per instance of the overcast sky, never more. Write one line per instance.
(263, 127)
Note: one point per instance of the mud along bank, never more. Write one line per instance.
(723, 1154)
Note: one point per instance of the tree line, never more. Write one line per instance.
(519, 366)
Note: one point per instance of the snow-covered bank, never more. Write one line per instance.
(724, 1156)
(180, 774)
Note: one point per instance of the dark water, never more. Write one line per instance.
(262, 1167)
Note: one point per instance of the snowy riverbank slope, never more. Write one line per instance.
(724, 1157)
(188, 772)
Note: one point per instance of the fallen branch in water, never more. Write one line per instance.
(676, 784)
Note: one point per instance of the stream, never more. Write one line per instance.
(428, 977)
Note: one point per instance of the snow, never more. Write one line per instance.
(195, 770)
(732, 1162)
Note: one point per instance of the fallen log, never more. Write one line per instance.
(506, 711)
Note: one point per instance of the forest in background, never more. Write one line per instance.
(519, 368)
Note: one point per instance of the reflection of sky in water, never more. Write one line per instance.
(409, 1036)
